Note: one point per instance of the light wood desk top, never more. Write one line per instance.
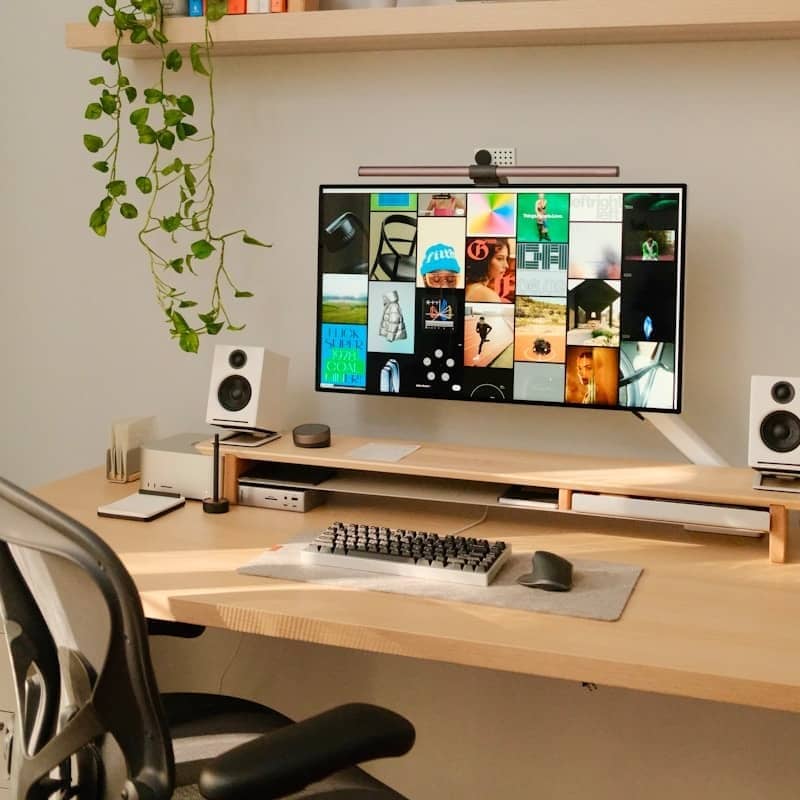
(710, 617)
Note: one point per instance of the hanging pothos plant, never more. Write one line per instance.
(173, 198)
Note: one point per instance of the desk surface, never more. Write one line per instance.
(710, 617)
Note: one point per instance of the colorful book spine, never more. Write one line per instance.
(253, 6)
(237, 6)
(195, 8)
(264, 6)
(277, 6)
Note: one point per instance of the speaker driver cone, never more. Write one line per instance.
(234, 393)
(780, 431)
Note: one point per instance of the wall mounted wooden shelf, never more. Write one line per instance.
(473, 24)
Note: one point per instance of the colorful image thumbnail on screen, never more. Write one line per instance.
(490, 270)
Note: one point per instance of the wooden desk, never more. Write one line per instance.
(710, 618)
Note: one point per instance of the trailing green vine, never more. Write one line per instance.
(175, 195)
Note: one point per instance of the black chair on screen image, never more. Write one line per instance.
(397, 247)
(92, 722)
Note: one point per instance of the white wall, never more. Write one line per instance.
(83, 341)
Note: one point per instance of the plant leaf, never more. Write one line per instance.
(139, 34)
(144, 184)
(153, 96)
(202, 248)
(98, 221)
(110, 54)
(243, 294)
(97, 80)
(179, 322)
(197, 62)
(139, 117)
(172, 117)
(108, 102)
(250, 240)
(129, 211)
(189, 342)
(101, 166)
(106, 204)
(159, 36)
(214, 328)
(146, 134)
(117, 188)
(166, 139)
(131, 93)
(216, 9)
(173, 61)
(188, 178)
(187, 304)
(93, 111)
(171, 224)
(95, 12)
(92, 143)
(186, 104)
(235, 327)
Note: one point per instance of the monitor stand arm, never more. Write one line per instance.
(683, 438)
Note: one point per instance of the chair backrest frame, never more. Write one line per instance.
(124, 701)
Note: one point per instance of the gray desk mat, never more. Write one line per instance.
(600, 589)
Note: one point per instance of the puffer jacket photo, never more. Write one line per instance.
(393, 327)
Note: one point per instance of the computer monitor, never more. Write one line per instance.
(539, 294)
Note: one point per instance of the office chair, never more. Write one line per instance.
(90, 719)
(400, 262)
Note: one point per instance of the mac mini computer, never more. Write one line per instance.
(174, 465)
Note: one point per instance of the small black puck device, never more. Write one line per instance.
(312, 434)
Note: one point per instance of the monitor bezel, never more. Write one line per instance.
(468, 187)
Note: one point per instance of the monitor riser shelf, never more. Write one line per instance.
(709, 496)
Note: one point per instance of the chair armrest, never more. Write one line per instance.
(289, 759)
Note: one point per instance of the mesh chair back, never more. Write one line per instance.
(90, 719)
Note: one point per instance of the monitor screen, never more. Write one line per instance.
(540, 294)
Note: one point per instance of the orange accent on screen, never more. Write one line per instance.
(276, 6)
(237, 6)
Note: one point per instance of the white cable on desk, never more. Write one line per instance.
(472, 524)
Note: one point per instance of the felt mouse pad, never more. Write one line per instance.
(600, 589)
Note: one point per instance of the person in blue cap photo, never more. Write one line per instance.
(440, 268)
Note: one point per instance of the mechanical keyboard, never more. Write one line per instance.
(416, 554)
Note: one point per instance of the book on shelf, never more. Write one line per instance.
(196, 8)
(237, 6)
(277, 6)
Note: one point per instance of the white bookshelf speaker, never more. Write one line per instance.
(774, 424)
(248, 389)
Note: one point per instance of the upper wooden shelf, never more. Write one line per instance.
(472, 24)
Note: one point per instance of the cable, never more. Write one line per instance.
(230, 663)
(472, 524)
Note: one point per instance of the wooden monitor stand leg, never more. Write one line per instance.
(232, 468)
(778, 534)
